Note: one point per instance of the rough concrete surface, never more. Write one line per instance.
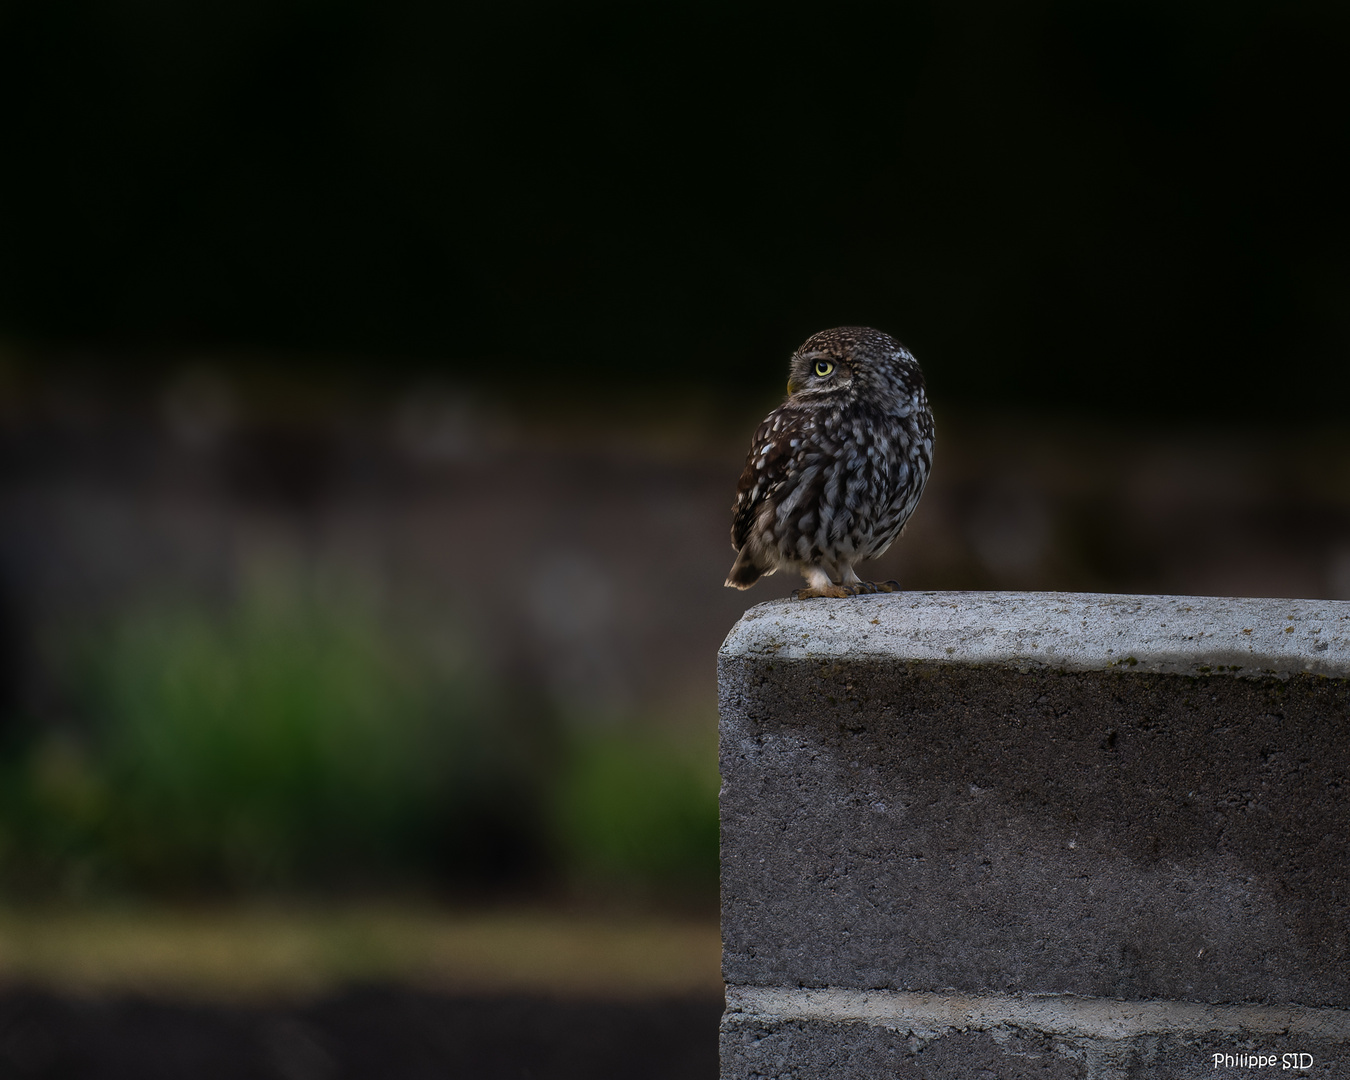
(1063, 631)
(788, 1048)
(1007, 795)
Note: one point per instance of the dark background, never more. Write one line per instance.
(1131, 207)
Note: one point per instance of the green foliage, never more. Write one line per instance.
(290, 741)
(284, 740)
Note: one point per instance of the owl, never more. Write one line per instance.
(836, 470)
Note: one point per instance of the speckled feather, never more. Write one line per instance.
(834, 472)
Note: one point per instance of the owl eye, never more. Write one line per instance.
(823, 368)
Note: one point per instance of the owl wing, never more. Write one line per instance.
(771, 467)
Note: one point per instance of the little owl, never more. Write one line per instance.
(836, 470)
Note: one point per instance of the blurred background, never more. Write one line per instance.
(374, 382)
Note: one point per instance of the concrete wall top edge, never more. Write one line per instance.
(1066, 631)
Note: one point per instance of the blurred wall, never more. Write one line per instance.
(587, 561)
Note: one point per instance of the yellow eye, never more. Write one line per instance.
(823, 368)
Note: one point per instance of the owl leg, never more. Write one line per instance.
(819, 584)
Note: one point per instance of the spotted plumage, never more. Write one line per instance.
(836, 470)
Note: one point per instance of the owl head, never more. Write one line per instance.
(851, 361)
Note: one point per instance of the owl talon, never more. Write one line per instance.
(860, 588)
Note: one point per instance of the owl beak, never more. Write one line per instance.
(793, 387)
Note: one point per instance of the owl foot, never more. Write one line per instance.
(838, 592)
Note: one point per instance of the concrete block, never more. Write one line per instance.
(1051, 800)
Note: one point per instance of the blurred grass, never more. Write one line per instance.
(639, 808)
(287, 952)
(293, 741)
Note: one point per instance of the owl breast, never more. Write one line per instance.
(872, 468)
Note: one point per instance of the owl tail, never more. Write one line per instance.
(744, 572)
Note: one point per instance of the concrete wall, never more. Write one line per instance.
(1008, 834)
